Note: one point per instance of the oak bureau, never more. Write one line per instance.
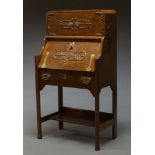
(80, 51)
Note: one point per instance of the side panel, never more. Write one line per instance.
(107, 65)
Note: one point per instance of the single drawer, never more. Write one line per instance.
(65, 79)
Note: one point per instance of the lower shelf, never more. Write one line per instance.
(80, 116)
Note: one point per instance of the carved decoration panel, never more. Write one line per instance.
(70, 55)
(75, 23)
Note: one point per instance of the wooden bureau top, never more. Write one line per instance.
(77, 22)
(111, 11)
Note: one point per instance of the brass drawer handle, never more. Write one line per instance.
(45, 76)
(86, 80)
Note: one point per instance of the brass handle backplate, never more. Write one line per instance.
(86, 80)
(45, 76)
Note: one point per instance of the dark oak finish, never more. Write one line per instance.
(39, 134)
(97, 121)
(81, 117)
(60, 104)
(80, 50)
(114, 111)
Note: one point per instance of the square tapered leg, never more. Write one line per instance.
(97, 120)
(114, 109)
(39, 127)
(60, 104)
